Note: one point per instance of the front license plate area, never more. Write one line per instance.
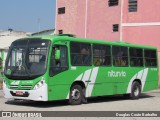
(19, 93)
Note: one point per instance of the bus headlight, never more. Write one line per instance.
(39, 84)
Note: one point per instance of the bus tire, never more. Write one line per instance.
(76, 95)
(135, 90)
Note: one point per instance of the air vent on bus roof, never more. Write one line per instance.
(69, 35)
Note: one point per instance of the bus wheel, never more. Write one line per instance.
(75, 96)
(135, 90)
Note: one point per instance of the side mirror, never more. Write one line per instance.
(57, 54)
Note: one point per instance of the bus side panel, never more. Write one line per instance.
(152, 80)
(101, 89)
(103, 85)
(119, 80)
(108, 83)
(152, 85)
(132, 74)
(58, 92)
(60, 84)
(122, 79)
(121, 88)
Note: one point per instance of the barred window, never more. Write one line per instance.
(115, 28)
(132, 6)
(112, 2)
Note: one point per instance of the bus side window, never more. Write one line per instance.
(58, 66)
(80, 54)
(101, 55)
(150, 58)
(120, 56)
(136, 57)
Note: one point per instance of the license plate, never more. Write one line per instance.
(19, 93)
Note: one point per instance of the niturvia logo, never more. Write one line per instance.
(113, 73)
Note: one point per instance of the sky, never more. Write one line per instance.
(27, 15)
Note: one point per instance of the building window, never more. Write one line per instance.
(115, 28)
(60, 31)
(132, 5)
(112, 2)
(61, 10)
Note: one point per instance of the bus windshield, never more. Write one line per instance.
(27, 58)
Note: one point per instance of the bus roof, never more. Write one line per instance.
(67, 37)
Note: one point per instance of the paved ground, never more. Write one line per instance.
(149, 101)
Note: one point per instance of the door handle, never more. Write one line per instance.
(88, 81)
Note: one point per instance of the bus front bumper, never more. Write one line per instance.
(40, 94)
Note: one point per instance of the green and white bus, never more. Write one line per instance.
(59, 67)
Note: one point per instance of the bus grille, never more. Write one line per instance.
(27, 87)
(13, 86)
(22, 87)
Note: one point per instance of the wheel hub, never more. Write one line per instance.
(136, 91)
(75, 94)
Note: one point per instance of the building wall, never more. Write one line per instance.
(81, 13)
(73, 21)
(143, 26)
(146, 12)
(68, 21)
(96, 22)
(145, 35)
(101, 17)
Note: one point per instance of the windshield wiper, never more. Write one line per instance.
(28, 73)
(25, 66)
(17, 68)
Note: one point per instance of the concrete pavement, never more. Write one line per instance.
(149, 101)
